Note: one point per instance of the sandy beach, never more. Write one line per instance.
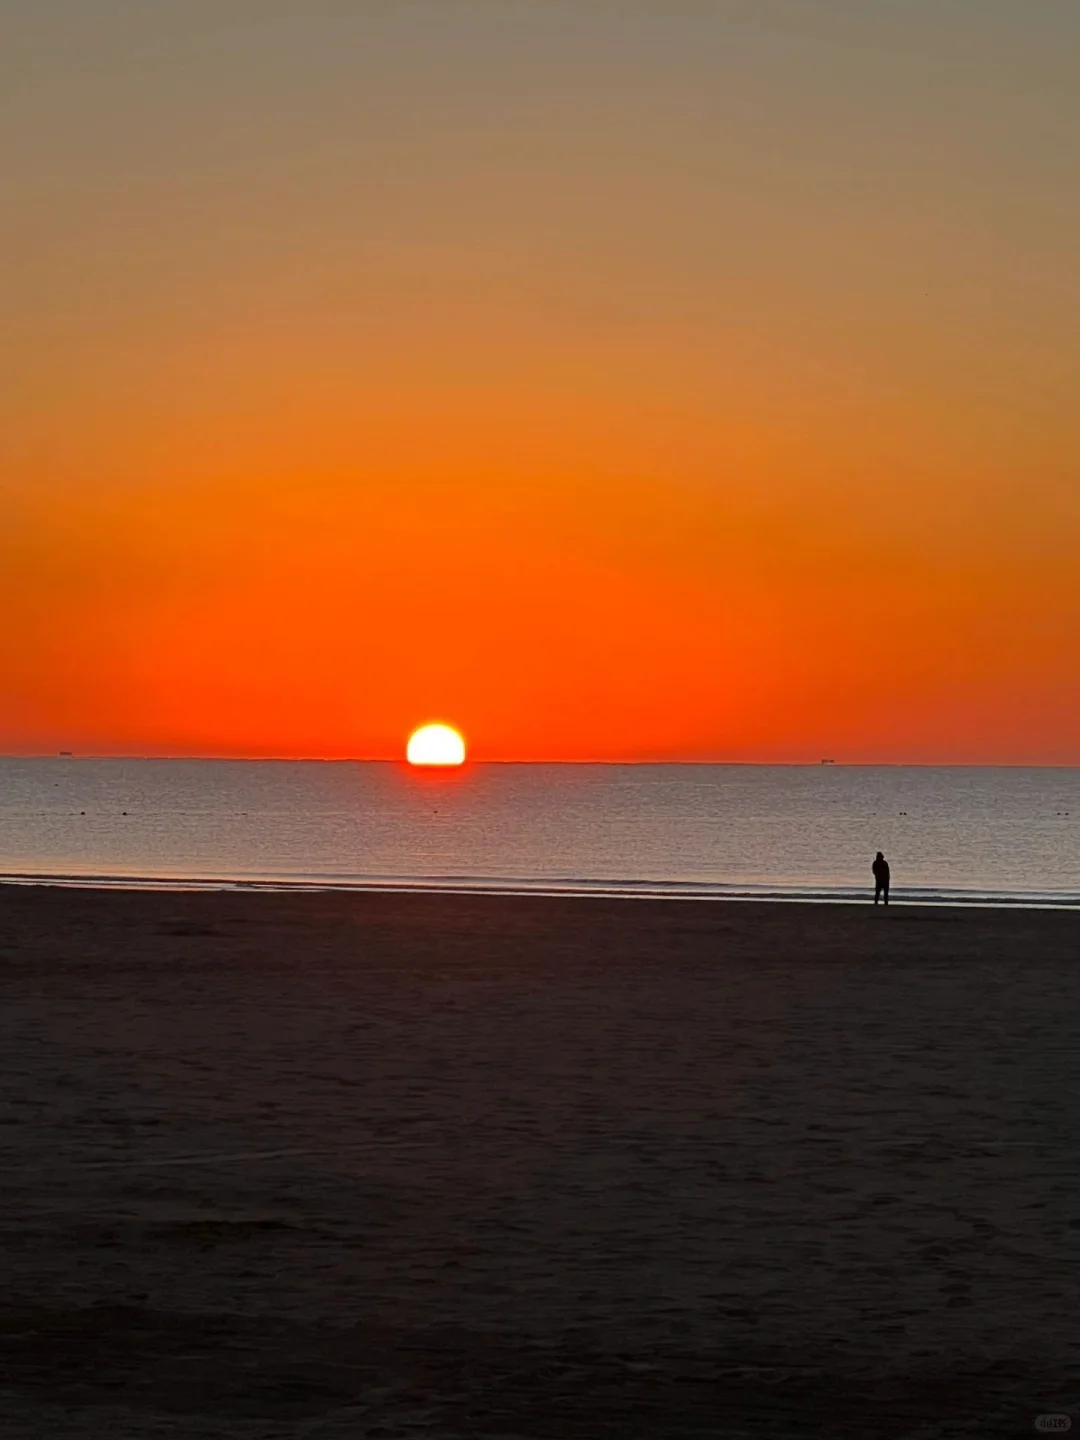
(288, 1165)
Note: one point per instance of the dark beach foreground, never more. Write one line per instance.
(358, 1165)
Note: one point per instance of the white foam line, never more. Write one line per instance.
(565, 889)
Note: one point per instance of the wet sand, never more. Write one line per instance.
(326, 1165)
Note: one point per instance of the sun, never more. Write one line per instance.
(435, 745)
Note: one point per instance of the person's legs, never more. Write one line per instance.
(885, 888)
(877, 891)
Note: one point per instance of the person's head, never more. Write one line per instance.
(878, 856)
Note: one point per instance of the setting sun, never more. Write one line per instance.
(435, 745)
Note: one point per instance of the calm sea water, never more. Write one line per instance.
(950, 834)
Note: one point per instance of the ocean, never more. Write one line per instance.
(952, 835)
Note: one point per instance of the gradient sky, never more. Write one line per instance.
(681, 380)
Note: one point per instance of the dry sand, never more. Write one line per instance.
(324, 1166)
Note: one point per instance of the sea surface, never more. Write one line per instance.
(951, 835)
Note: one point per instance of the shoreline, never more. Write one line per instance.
(516, 889)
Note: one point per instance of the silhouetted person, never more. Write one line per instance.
(880, 868)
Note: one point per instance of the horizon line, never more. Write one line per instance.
(825, 763)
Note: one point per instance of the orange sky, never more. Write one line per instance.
(617, 386)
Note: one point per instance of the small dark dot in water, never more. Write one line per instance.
(82, 812)
(125, 812)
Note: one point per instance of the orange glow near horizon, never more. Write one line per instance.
(591, 379)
